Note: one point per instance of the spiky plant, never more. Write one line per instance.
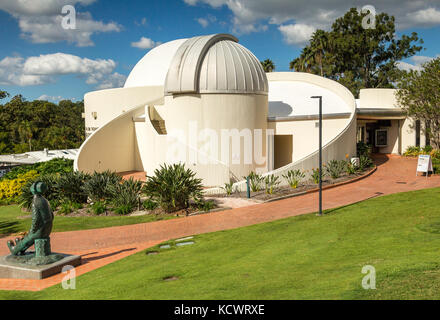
(271, 182)
(98, 187)
(173, 186)
(125, 196)
(294, 177)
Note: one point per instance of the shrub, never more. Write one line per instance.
(294, 177)
(98, 187)
(427, 149)
(271, 182)
(99, 207)
(228, 188)
(126, 195)
(124, 209)
(206, 205)
(150, 205)
(365, 163)
(11, 189)
(255, 181)
(173, 186)
(335, 168)
(412, 151)
(315, 175)
(57, 165)
(363, 149)
(350, 168)
(66, 207)
(70, 186)
(52, 194)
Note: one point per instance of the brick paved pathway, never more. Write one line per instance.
(99, 247)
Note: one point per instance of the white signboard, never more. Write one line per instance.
(424, 164)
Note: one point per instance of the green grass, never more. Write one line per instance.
(10, 223)
(303, 257)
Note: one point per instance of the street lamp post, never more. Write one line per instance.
(320, 153)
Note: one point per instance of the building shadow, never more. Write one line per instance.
(279, 109)
(379, 158)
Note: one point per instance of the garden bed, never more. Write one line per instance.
(308, 186)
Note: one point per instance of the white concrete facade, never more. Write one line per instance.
(207, 102)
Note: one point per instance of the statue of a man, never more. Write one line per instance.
(42, 219)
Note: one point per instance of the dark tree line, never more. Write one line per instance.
(35, 125)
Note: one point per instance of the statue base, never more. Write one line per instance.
(28, 266)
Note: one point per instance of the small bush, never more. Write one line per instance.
(228, 188)
(98, 187)
(11, 189)
(335, 168)
(255, 181)
(124, 209)
(66, 208)
(70, 186)
(150, 205)
(99, 207)
(365, 163)
(363, 149)
(271, 182)
(294, 177)
(315, 175)
(206, 205)
(173, 186)
(126, 195)
(350, 168)
(412, 151)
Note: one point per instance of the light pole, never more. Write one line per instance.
(320, 153)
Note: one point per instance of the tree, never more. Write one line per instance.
(358, 57)
(268, 65)
(3, 94)
(419, 96)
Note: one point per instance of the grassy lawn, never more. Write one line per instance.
(304, 257)
(10, 223)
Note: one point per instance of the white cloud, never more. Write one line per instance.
(203, 22)
(145, 43)
(417, 64)
(116, 80)
(57, 99)
(44, 68)
(296, 34)
(254, 15)
(40, 21)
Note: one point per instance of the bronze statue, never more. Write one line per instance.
(42, 219)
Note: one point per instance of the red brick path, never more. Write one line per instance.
(99, 247)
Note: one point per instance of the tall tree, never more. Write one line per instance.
(268, 65)
(3, 94)
(419, 96)
(355, 56)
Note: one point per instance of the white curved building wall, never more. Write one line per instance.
(194, 125)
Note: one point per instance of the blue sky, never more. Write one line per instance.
(39, 59)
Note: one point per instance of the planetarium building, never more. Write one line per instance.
(207, 102)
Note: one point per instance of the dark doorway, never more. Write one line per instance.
(283, 148)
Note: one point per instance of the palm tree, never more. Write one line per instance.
(304, 62)
(319, 44)
(268, 65)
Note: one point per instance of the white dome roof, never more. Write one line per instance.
(152, 69)
(204, 64)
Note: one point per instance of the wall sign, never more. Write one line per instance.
(424, 164)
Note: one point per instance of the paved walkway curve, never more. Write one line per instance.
(99, 247)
